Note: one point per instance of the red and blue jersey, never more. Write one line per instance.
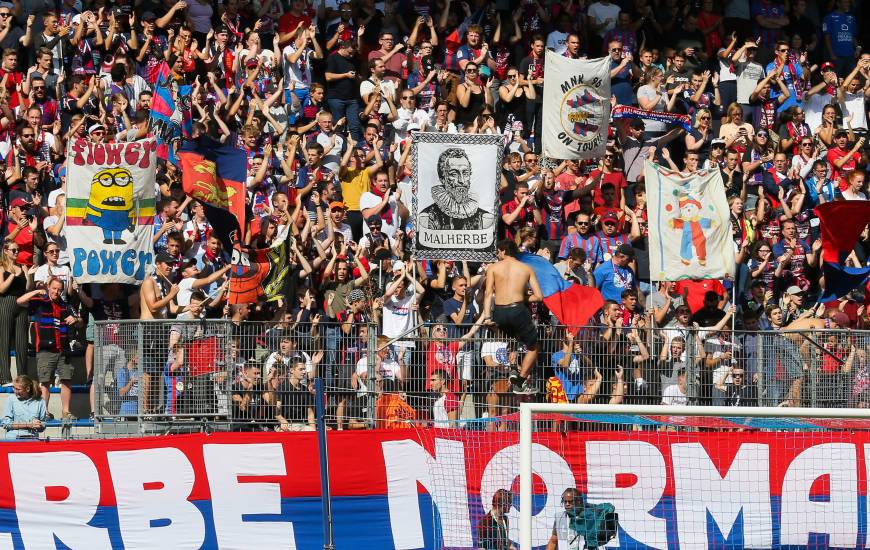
(590, 243)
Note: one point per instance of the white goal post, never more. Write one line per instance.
(790, 450)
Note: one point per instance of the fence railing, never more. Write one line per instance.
(216, 374)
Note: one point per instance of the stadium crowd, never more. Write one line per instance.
(323, 97)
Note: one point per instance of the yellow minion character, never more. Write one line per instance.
(110, 205)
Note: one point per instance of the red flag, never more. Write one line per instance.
(841, 224)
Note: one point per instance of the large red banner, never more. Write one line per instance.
(428, 489)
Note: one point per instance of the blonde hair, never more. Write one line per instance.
(31, 385)
(699, 112)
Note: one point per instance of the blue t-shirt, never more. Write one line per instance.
(612, 280)
(793, 73)
(841, 28)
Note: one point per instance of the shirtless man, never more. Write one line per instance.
(508, 281)
(155, 298)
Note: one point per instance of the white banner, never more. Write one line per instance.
(455, 195)
(110, 200)
(689, 225)
(576, 107)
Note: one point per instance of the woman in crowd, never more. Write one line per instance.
(24, 413)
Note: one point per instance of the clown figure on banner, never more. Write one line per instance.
(693, 242)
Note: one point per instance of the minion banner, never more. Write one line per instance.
(576, 107)
(689, 225)
(110, 210)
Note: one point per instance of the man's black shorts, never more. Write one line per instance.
(516, 320)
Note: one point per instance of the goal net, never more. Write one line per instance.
(621, 476)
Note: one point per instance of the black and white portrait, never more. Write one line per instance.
(455, 195)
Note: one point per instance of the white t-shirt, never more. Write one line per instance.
(185, 289)
(725, 74)
(568, 538)
(370, 200)
(299, 72)
(648, 93)
(388, 88)
(397, 318)
(44, 272)
(748, 75)
(813, 107)
(332, 159)
(600, 12)
(59, 240)
(673, 396)
(854, 104)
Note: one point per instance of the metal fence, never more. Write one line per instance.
(216, 374)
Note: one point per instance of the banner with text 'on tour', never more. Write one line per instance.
(576, 107)
(110, 201)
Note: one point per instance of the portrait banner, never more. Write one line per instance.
(576, 107)
(455, 195)
(110, 210)
(689, 225)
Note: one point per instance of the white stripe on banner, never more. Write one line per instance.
(689, 225)
(576, 107)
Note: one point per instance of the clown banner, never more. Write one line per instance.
(110, 210)
(576, 107)
(689, 225)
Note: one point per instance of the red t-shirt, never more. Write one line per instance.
(697, 289)
(836, 154)
(288, 22)
(14, 79)
(24, 240)
(443, 356)
(617, 179)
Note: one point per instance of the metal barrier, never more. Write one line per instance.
(219, 375)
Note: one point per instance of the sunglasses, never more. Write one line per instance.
(582, 223)
(471, 70)
(782, 50)
(703, 118)
(614, 50)
(38, 87)
(12, 249)
(52, 251)
(407, 97)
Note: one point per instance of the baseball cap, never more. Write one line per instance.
(398, 265)
(827, 66)
(163, 257)
(148, 16)
(336, 204)
(841, 132)
(626, 250)
(95, 127)
(19, 203)
(794, 289)
(718, 141)
(610, 217)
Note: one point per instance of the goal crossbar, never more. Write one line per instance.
(527, 410)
